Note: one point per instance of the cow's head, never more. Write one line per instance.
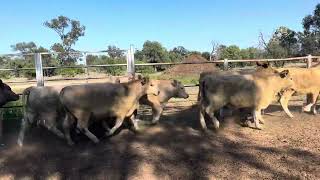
(149, 86)
(286, 79)
(180, 91)
(6, 94)
(265, 67)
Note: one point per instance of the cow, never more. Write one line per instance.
(260, 70)
(241, 91)
(168, 89)
(102, 101)
(41, 106)
(307, 82)
(6, 94)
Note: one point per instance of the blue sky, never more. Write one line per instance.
(192, 24)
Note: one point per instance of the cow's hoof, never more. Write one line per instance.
(259, 127)
(20, 143)
(154, 122)
(261, 121)
(216, 125)
(70, 143)
(314, 112)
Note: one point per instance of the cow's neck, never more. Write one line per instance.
(135, 91)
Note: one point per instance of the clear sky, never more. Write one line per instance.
(192, 24)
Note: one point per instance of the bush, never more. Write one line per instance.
(5, 74)
(70, 72)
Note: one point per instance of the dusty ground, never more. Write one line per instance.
(175, 149)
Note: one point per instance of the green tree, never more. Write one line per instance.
(154, 52)
(310, 38)
(251, 53)
(114, 52)
(69, 32)
(206, 55)
(230, 52)
(180, 50)
(24, 47)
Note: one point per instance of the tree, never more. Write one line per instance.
(180, 50)
(24, 47)
(214, 51)
(154, 52)
(206, 55)
(114, 52)
(310, 38)
(251, 53)
(231, 52)
(69, 32)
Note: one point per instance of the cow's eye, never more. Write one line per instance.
(151, 84)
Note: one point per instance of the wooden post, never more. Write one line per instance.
(1, 124)
(130, 62)
(225, 64)
(39, 70)
(309, 61)
(86, 64)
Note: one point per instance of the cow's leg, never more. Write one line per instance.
(83, 122)
(256, 115)
(202, 114)
(210, 111)
(311, 100)
(314, 102)
(25, 125)
(156, 112)
(285, 97)
(51, 124)
(105, 126)
(66, 128)
(118, 123)
(134, 122)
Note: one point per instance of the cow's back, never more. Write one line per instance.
(93, 97)
(43, 99)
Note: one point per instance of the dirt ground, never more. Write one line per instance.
(176, 148)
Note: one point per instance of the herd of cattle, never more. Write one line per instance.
(110, 104)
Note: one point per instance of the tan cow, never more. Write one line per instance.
(167, 90)
(241, 91)
(261, 70)
(103, 101)
(307, 81)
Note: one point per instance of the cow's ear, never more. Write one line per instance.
(175, 83)
(264, 65)
(139, 76)
(144, 80)
(1, 82)
(117, 80)
(284, 73)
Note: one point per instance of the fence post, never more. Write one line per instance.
(225, 64)
(86, 64)
(130, 61)
(39, 70)
(309, 61)
(1, 124)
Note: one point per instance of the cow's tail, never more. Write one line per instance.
(202, 91)
(25, 97)
(68, 115)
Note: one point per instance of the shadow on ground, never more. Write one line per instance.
(175, 148)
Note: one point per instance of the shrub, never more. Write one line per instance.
(70, 72)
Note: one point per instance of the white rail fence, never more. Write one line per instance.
(131, 64)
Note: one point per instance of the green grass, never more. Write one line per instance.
(186, 79)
